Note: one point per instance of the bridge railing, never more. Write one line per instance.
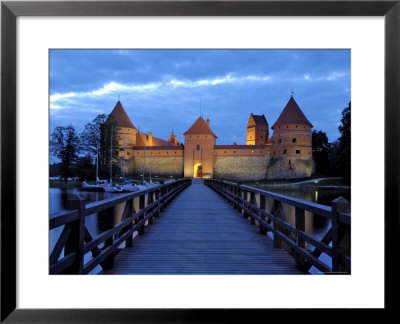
(76, 241)
(293, 237)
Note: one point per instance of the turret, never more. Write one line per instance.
(257, 130)
(292, 133)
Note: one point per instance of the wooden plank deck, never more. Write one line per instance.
(200, 233)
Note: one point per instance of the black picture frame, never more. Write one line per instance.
(10, 10)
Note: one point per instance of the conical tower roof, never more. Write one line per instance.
(121, 117)
(199, 127)
(292, 114)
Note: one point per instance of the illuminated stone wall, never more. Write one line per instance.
(246, 167)
(285, 168)
(162, 162)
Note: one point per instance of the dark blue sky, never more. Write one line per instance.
(161, 90)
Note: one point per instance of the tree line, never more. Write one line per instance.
(79, 153)
(334, 159)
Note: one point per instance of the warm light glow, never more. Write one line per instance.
(316, 196)
(197, 170)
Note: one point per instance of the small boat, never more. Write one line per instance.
(130, 188)
(88, 187)
(114, 189)
(99, 181)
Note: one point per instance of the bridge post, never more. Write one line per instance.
(277, 227)
(157, 198)
(162, 202)
(253, 201)
(107, 221)
(141, 217)
(263, 230)
(335, 239)
(300, 226)
(239, 194)
(76, 240)
(234, 189)
(245, 215)
(150, 201)
(129, 240)
(340, 235)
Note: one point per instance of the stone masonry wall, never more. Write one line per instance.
(279, 168)
(172, 166)
(241, 167)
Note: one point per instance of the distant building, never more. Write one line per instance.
(257, 130)
(286, 154)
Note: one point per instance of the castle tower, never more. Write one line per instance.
(257, 130)
(173, 139)
(292, 133)
(127, 131)
(199, 149)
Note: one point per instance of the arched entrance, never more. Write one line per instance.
(198, 170)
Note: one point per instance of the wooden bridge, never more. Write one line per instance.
(200, 232)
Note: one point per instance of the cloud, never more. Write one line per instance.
(115, 87)
(327, 77)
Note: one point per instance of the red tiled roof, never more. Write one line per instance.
(172, 137)
(292, 114)
(199, 128)
(142, 140)
(160, 142)
(121, 117)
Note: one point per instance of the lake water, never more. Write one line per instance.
(315, 225)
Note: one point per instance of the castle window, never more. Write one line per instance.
(234, 151)
(279, 140)
(224, 151)
(198, 147)
(261, 136)
(198, 136)
(296, 126)
(175, 152)
(287, 126)
(293, 140)
(297, 151)
(284, 151)
(250, 137)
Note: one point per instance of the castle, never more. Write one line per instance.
(286, 154)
